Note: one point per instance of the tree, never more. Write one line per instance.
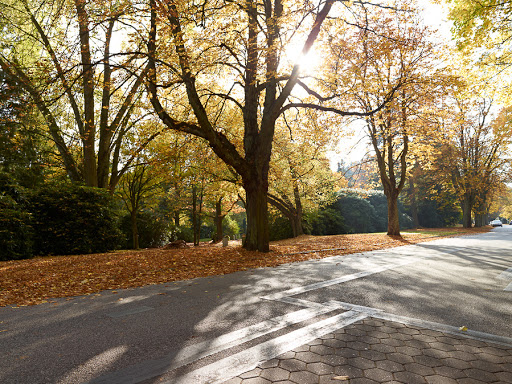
(232, 53)
(65, 57)
(483, 24)
(136, 186)
(392, 45)
(300, 176)
(474, 154)
(24, 154)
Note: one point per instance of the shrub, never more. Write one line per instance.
(181, 232)
(279, 227)
(230, 227)
(15, 230)
(71, 219)
(326, 221)
(153, 230)
(359, 215)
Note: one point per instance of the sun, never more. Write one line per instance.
(308, 63)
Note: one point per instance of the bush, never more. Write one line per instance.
(359, 215)
(181, 232)
(230, 227)
(433, 214)
(153, 230)
(279, 227)
(15, 231)
(326, 221)
(71, 219)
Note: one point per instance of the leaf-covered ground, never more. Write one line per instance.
(38, 280)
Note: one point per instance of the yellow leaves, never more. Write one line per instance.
(463, 328)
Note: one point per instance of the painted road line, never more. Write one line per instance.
(152, 368)
(250, 358)
(506, 274)
(445, 328)
(339, 280)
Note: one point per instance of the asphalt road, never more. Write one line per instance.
(170, 330)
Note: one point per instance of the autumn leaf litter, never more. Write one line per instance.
(36, 281)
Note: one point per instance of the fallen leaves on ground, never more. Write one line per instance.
(35, 281)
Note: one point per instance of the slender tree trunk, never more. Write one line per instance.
(257, 237)
(298, 210)
(199, 212)
(393, 222)
(194, 215)
(177, 211)
(414, 203)
(135, 229)
(218, 220)
(177, 218)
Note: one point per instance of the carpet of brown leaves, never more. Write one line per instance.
(35, 281)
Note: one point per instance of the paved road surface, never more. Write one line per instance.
(216, 329)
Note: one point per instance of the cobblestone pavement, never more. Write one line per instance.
(378, 351)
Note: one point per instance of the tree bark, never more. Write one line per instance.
(218, 220)
(135, 229)
(257, 236)
(393, 216)
(194, 215)
(466, 206)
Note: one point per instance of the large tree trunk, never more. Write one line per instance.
(466, 211)
(257, 236)
(296, 223)
(393, 221)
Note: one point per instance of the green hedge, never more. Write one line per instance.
(15, 231)
(71, 219)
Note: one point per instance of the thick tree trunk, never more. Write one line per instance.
(135, 229)
(466, 212)
(393, 222)
(257, 236)
(479, 220)
(296, 223)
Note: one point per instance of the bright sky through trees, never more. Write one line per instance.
(355, 145)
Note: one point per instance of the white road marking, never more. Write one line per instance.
(250, 358)
(506, 274)
(149, 369)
